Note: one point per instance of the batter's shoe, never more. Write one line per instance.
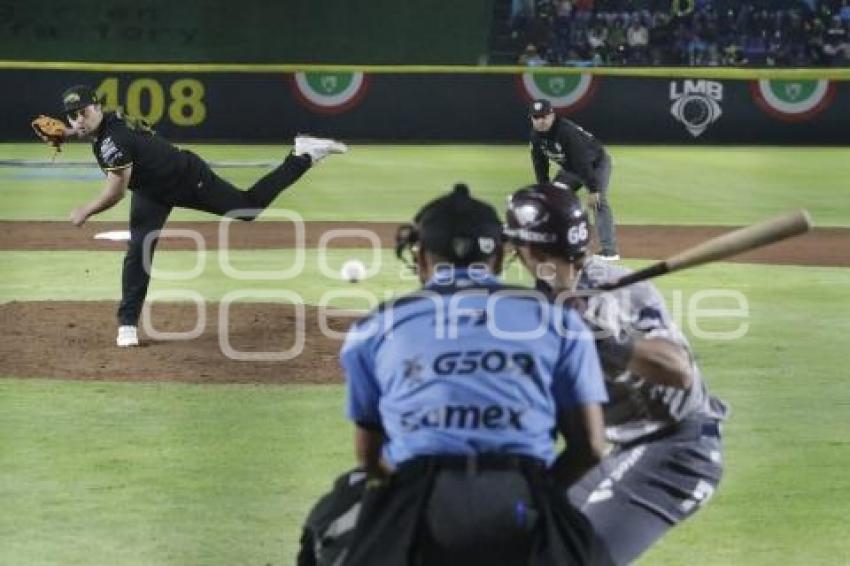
(127, 336)
(317, 148)
(608, 256)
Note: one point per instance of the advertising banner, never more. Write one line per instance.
(269, 107)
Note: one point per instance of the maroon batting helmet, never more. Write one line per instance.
(548, 218)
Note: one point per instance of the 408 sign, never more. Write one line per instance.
(146, 98)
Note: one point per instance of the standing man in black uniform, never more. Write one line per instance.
(161, 176)
(582, 161)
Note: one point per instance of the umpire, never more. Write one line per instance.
(582, 161)
(455, 391)
(161, 177)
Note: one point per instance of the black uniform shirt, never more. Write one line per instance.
(160, 170)
(569, 145)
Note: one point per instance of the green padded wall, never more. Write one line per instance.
(246, 31)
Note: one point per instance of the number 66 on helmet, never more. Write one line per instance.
(550, 218)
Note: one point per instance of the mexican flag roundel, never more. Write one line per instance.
(793, 100)
(330, 92)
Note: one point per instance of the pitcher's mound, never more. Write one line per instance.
(76, 340)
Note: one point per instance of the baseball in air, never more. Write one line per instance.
(352, 270)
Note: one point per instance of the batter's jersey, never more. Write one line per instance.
(636, 407)
(469, 366)
(160, 170)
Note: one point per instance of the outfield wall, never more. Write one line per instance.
(272, 103)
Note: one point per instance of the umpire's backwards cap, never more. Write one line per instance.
(455, 227)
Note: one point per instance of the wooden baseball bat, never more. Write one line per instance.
(721, 247)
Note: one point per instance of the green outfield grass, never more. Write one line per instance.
(162, 474)
(78, 275)
(97, 275)
(133, 474)
(176, 474)
(650, 185)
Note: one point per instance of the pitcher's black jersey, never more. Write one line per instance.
(159, 168)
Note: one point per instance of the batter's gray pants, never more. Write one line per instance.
(641, 490)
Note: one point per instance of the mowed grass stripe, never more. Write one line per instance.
(650, 185)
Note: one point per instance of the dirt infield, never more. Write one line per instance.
(822, 246)
(75, 340)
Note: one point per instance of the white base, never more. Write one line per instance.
(114, 235)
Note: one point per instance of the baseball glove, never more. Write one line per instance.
(50, 130)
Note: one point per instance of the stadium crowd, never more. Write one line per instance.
(781, 33)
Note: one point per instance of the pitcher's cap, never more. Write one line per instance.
(78, 96)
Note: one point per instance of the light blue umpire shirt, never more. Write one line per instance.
(469, 366)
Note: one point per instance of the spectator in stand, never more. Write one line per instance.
(521, 12)
(824, 11)
(545, 10)
(637, 39)
(794, 30)
(539, 30)
(777, 51)
(597, 41)
(687, 32)
(710, 35)
(755, 48)
(696, 47)
(577, 36)
(531, 58)
(733, 55)
(680, 42)
(814, 42)
(575, 59)
(659, 39)
(835, 42)
(617, 41)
